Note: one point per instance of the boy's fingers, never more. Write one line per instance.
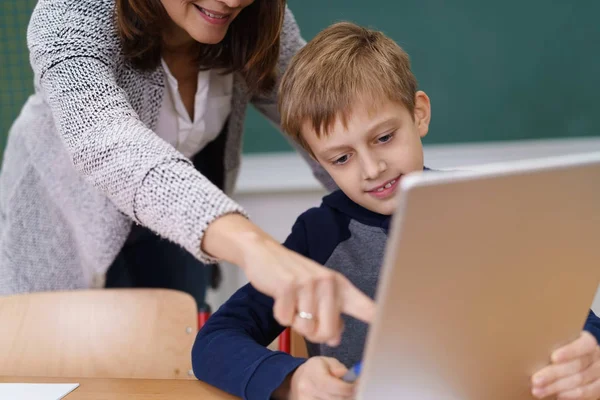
(570, 382)
(331, 384)
(336, 387)
(554, 372)
(590, 391)
(326, 386)
(585, 344)
(354, 302)
(567, 383)
(336, 368)
(592, 373)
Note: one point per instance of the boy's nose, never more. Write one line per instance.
(372, 168)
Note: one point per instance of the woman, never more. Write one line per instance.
(125, 94)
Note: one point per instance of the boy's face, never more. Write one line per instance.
(368, 157)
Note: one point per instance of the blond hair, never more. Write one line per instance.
(342, 64)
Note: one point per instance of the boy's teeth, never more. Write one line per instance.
(387, 185)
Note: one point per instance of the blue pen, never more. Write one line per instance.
(353, 373)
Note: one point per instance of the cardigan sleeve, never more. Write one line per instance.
(291, 41)
(74, 51)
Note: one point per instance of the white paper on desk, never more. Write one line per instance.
(36, 391)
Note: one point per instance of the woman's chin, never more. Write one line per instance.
(205, 37)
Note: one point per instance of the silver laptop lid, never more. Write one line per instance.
(485, 273)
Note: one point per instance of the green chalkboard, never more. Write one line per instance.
(16, 81)
(494, 70)
(513, 69)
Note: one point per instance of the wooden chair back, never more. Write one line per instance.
(107, 333)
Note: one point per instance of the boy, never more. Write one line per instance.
(350, 98)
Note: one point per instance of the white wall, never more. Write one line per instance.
(276, 188)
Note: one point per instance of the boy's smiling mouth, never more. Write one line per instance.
(385, 190)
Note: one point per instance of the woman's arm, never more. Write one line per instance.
(73, 49)
(294, 281)
(74, 53)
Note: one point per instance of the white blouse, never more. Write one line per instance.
(212, 106)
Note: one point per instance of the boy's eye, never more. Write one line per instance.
(385, 138)
(341, 160)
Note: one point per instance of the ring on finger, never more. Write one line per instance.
(305, 315)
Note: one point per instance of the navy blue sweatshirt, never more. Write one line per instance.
(230, 350)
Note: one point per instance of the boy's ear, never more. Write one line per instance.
(422, 112)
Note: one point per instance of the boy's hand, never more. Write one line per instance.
(319, 378)
(574, 372)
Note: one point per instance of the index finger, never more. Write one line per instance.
(354, 302)
(584, 345)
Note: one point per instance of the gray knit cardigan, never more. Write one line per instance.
(82, 161)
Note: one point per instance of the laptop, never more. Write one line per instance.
(485, 273)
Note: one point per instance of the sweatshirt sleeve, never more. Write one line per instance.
(592, 325)
(230, 350)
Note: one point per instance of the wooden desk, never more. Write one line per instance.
(132, 389)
